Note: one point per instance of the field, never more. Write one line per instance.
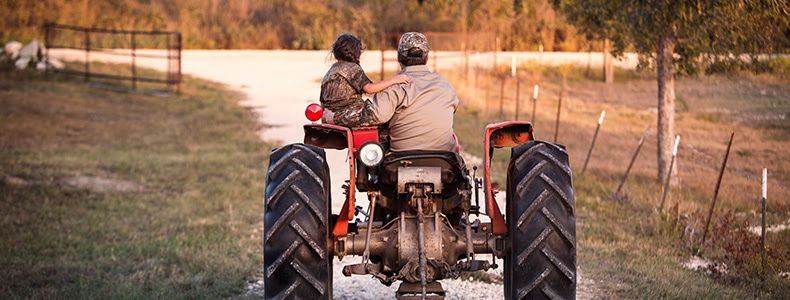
(625, 245)
(123, 195)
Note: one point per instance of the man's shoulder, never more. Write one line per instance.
(440, 80)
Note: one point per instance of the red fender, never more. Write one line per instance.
(339, 137)
(506, 134)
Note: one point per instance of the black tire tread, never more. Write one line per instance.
(541, 224)
(297, 262)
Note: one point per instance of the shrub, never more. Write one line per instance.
(780, 66)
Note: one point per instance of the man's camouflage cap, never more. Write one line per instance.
(412, 40)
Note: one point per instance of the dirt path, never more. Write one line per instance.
(278, 86)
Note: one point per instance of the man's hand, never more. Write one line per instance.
(328, 118)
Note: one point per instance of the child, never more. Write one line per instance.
(345, 82)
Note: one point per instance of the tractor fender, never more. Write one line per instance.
(331, 136)
(505, 134)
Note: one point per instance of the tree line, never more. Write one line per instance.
(299, 24)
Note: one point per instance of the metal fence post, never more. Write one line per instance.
(534, 103)
(134, 62)
(633, 159)
(180, 46)
(501, 97)
(716, 191)
(559, 108)
(488, 94)
(595, 136)
(87, 56)
(46, 44)
(669, 174)
(435, 61)
(518, 92)
(496, 49)
(762, 233)
(382, 55)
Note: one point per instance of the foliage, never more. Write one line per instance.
(684, 37)
(706, 32)
(303, 24)
(780, 66)
(735, 250)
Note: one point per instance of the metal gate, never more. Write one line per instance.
(165, 45)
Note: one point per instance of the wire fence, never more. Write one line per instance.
(446, 49)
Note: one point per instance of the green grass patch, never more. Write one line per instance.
(188, 227)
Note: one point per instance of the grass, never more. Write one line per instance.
(189, 230)
(624, 245)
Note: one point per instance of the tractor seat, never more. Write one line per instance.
(453, 167)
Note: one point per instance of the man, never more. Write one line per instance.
(419, 114)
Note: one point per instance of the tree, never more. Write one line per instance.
(683, 38)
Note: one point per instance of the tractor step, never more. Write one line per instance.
(413, 291)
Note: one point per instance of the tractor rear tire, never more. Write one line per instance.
(541, 263)
(296, 255)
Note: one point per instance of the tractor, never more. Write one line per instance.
(424, 221)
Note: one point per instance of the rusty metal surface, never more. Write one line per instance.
(429, 175)
(413, 291)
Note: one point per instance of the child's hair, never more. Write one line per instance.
(347, 47)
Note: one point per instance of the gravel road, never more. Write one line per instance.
(278, 86)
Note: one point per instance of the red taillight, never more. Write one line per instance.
(314, 112)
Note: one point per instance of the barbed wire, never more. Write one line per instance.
(745, 173)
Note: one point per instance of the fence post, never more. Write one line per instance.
(669, 174)
(501, 97)
(134, 62)
(466, 55)
(762, 233)
(170, 66)
(633, 159)
(496, 48)
(559, 108)
(435, 60)
(513, 66)
(518, 92)
(534, 103)
(716, 191)
(87, 56)
(46, 44)
(383, 41)
(488, 94)
(595, 136)
(180, 46)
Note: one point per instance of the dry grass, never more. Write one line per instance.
(755, 107)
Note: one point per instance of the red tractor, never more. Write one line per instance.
(418, 228)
